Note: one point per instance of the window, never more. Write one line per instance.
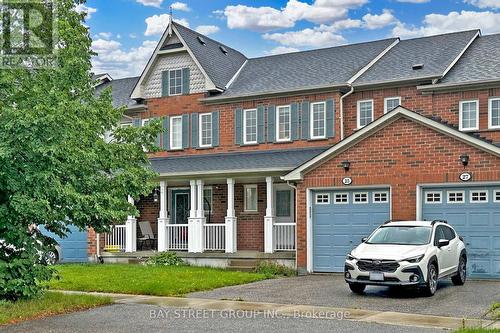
(322, 198)
(496, 196)
(318, 120)
(341, 198)
(478, 196)
(439, 234)
(433, 197)
(469, 119)
(365, 112)
(380, 197)
(250, 126)
(205, 130)
(250, 198)
(456, 196)
(283, 203)
(176, 132)
(207, 200)
(175, 82)
(449, 234)
(126, 125)
(360, 198)
(494, 113)
(390, 103)
(284, 123)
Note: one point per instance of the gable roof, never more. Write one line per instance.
(120, 91)
(382, 122)
(436, 53)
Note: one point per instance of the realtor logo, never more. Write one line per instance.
(27, 33)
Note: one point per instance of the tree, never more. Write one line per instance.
(55, 167)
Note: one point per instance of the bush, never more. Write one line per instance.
(165, 259)
(271, 269)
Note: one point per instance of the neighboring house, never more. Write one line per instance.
(296, 157)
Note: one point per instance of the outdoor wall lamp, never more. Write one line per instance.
(346, 165)
(155, 195)
(464, 158)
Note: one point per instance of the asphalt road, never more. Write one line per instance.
(134, 318)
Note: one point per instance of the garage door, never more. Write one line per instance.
(340, 219)
(73, 247)
(475, 213)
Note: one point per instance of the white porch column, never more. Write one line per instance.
(196, 219)
(131, 231)
(163, 219)
(231, 231)
(192, 211)
(269, 217)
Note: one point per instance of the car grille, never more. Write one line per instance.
(388, 266)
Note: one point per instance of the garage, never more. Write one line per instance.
(474, 212)
(340, 218)
(73, 247)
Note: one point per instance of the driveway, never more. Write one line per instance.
(471, 300)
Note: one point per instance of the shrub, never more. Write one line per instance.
(271, 269)
(165, 259)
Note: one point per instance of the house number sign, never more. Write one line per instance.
(465, 176)
(347, 180)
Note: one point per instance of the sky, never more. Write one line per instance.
(125, 32)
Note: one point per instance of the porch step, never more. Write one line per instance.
(244, 265)
(241, 268)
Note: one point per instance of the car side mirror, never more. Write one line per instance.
(443, 242)
(364, 239)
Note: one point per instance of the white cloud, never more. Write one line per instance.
(132, 35)
(433, 24)
(281, 50)
(181, 6)
(258, 19)
(151, 3)
(484, 3)
(106, 35)
(157, 24)
(413, 1)
(379, 21)
(315, 37)
(81, 8)
(207, 29)
(102, 45)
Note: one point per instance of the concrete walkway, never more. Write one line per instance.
(305, 311)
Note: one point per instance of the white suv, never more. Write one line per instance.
(407, 253)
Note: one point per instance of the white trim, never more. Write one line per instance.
(309, 232)
(360, 202)
(200, 130)
(235, 75)
(460, 125)
(433, 194)
(495, 194)
(289, 123)
(311, 121)
(172, 133)
(144, 121)
(455, 202)
(245, 198)
(358, 112)
(170, 79)
(387, 195)
(340, 193)
(476, 191)
(322, 203)
(245, 127)
(381, 122)
(388, 98)
(490, 113)
(450, 66)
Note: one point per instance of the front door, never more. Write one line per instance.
(180, 206)
(284, 204)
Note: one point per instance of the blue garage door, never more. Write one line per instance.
(474, 212)
(73, 247)
(340, 219)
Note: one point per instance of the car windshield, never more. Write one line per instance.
(401, 235)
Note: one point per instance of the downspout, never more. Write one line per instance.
(342, 110)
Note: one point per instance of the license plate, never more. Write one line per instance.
(376, 276)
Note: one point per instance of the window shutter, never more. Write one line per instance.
(271, 123)
(215, 129)
(194, 130)
(330, 116)
(260, 125)
(294, 122)
(305, 120)
(185, 81)
(185, 131)
(238, 126)
(166, 133)
(137, 122)
(164, 83)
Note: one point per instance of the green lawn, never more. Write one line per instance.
(147, 280)
(51, 303)
(478, 330)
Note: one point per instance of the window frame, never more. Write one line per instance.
(360, 202)
(311, 120)
(358, 112)
(433, 202)
(200, 130)
(317, 195)
(455, 202)
(245, 187)
(170, 81)
(245, 141)
(172, 133)
(479, 202)
(490, 113)
(380, 192)
(386, 109)
(460, 116)
(278, 124)
(340, 203)
(495, 194)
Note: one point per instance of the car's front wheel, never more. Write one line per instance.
(50, 258)
(357, 288)
(432, 280)
(459, 278)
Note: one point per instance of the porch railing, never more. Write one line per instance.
(114, 240)
(284, 236)
(215, 236)
(177, 237)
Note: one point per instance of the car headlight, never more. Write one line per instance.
(414, 259)
(351, 257)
